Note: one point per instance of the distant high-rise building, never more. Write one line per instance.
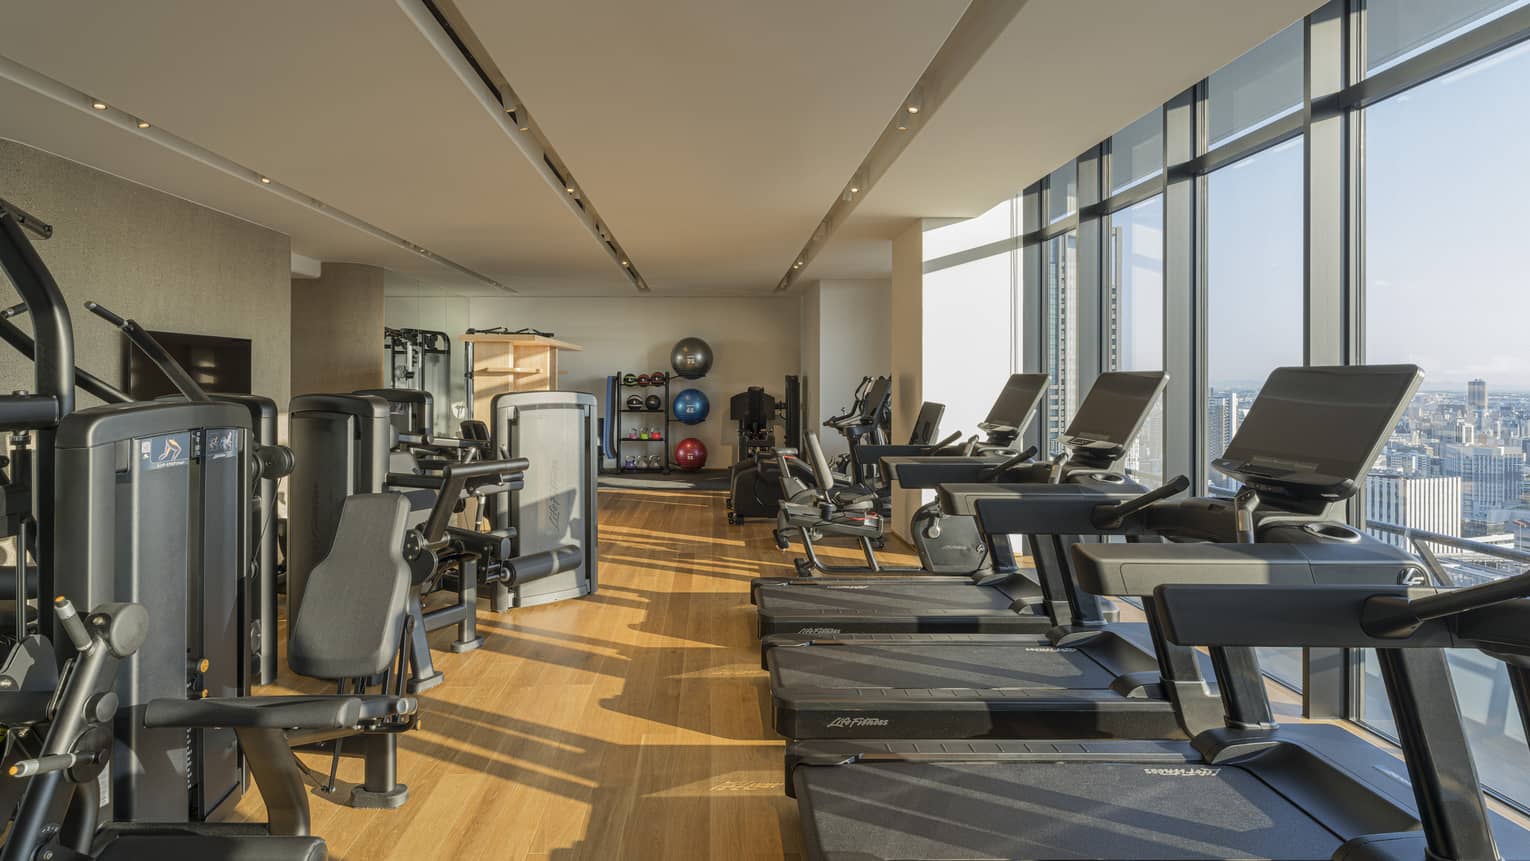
(1221, 426)
(1062, 347)
(1476, 394)
(1492, 479)
(1430, 504)
(1466, 434)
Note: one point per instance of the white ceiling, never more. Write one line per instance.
(712, 135)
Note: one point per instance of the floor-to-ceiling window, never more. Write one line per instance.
(971, 314)
(1242, 227)
(1253, 281)
(1134, 317)
(1455, 302)
(1132, 306)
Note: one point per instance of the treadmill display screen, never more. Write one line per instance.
(1116, 406)
(1319, 426)
(1017, 403)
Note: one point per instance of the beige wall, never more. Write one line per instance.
(845, 337)
(170, 264)
(337, 330)
(755, 340)
(906, 353)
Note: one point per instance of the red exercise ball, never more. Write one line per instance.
(690, 454)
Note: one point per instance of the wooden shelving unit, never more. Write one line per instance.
(509, 363)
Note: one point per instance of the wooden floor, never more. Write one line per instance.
(629, 724)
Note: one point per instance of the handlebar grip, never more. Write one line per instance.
(1111, 517)
(69, 620)
(106, 315)
(51, 762)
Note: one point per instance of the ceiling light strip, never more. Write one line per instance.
(486, 84)
(66, 95)
(972, 36)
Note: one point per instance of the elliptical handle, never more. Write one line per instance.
(1112, 516)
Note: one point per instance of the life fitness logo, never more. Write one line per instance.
(856, 722)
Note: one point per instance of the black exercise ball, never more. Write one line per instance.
(653, 402)
(691, 358)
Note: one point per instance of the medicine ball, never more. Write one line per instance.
(691, 406)
(634, 402)
(629, 379)
(653, 402)
(690, 454)
(691, 358)
(642, 379)
(658, 378)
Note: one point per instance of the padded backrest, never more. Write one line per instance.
(821, 471)
(353, 606)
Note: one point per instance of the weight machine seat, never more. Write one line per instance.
(298, 711)
(205, 847)
(354, 604)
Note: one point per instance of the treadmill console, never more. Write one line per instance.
(1313, 433)
(1110, 416)
(1015, 407)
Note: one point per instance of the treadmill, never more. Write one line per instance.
(1246, 788)
(1250, 789)
(1005, 600)
(1308, 439)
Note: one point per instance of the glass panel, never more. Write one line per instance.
(995, 225)
(1061, 332)
(967, 338)
(1455, 464)
(1062, 192)
(1254, 286)
(1257, 88)
(1493, 725)
(1134, 311)
(1396, 30)
(1136, 152)
(1254, 306)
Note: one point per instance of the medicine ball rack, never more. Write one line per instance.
(642, 447)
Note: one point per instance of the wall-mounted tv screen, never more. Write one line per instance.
(217, 364)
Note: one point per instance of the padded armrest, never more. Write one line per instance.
(1137, 569)
(286, 712)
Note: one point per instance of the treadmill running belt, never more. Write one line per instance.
(1017, 810)
(904, 599)
(1026, 663)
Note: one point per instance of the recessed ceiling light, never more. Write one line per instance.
(913, 109)
(265, 180)
(570, 189)
(902, 125)
(142, 124)
(626, 263)
(100, 106)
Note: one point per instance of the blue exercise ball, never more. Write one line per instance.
(691, 358)
(691, 407)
